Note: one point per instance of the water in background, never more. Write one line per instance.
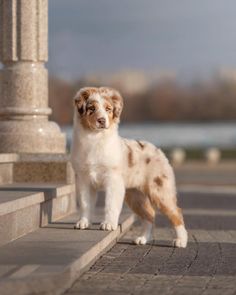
(167, 135)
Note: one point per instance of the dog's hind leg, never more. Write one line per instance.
(145, 234)
(142, 206)
(174, 214)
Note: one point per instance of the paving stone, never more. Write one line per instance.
(5, 270)
(194, 281)
(185, 291)
(219, 292)
(207, 266)
(225, 282)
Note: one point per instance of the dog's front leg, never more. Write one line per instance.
(86, 196)
(115, 192)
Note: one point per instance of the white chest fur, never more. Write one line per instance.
(95, 154)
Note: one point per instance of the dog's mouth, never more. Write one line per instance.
(100, 127)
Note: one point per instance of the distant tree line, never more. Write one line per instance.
(163, 101)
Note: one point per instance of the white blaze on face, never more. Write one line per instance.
(101, 112)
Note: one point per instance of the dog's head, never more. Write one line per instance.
(98, 108)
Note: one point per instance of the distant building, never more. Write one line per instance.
(226, 74)
(130, 81)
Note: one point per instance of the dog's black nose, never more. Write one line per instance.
(101, 121)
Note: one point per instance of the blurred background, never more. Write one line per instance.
(173, 61)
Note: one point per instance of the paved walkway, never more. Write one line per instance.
(206, 266)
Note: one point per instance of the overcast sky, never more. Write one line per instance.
(190, 37)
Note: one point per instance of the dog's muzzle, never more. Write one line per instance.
(101, 122)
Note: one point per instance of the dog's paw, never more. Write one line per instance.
(83, 223)
(180, 243)
(142, 240)
(182, 237)
(107, 226)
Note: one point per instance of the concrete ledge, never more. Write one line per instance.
(35, 168)
(44, 157)
(18, 196)
(43, 171)
(8, 158)
(24, 208)
(6, 167)
(49, 260)
(57, 208)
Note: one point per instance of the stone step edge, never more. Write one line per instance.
(58, 283)
(41, 195)
(33, 157)
(8, 158)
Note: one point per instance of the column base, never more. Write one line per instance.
(31, 137)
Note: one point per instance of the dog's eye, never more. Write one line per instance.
(91, 109)
(108, 109)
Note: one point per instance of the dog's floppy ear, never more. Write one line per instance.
(80, 99)
(117, 103)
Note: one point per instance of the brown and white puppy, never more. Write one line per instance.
(102, 160)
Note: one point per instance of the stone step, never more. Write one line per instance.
(26, 207)
(35, 168)
(50, 259)
(6, 167)
(45, 168)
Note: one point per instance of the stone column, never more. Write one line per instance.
(24, 111)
